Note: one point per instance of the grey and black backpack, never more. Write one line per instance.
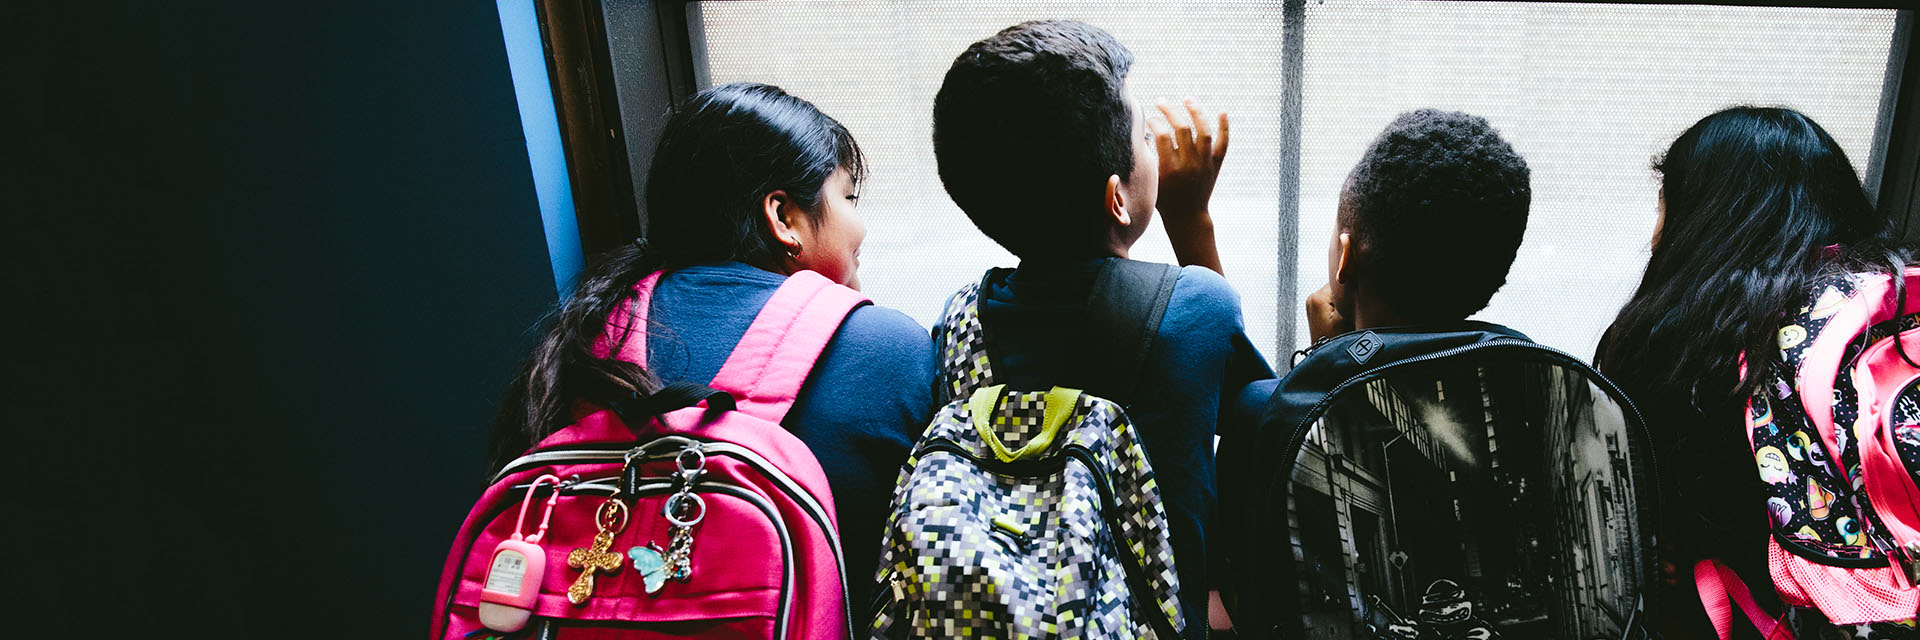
(1034, 513)
(1444, 483)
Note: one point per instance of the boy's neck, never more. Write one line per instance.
(1371, 313)
(1060, 259)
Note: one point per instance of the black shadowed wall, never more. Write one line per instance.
(271, 266)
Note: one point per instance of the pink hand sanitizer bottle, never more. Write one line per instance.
(513, 577)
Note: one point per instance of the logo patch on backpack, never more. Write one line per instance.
(1364, 347)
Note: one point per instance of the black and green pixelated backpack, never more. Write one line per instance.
(1034, 513)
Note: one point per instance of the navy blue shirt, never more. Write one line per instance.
(868, 398)
(1200, 360)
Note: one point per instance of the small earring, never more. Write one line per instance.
(794, 251)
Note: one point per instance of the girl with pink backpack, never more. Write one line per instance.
(704, 439)
(1770, 347)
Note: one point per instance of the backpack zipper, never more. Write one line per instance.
(656, 486)
(787, 485)
(897, 586)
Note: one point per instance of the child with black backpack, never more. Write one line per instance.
(1086, 386)
(1417, 474)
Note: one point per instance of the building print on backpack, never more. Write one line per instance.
(1507, 490)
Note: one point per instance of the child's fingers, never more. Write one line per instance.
(1182, 130)
(1220, 141)
(1162, 138)
(1202, 138)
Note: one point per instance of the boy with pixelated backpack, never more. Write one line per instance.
(1074, 463)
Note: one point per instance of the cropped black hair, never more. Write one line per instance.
(1027, 126)
(1438, 204)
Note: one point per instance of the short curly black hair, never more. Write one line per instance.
(1438, 205)
(1027, 126)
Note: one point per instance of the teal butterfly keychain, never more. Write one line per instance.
(683, 510)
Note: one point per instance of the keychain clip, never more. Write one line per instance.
(520, 525)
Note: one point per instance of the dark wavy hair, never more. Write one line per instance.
(1760, 204)
(718, 157)
(1439, 204)
(1027, 126)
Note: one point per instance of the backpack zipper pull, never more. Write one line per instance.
(1905, 559)
(1899, 557)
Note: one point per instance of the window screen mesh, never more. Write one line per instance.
(875, 66)
(1588, 93)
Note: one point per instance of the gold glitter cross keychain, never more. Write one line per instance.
(611, 518)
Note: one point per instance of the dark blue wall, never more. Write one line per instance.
(276, 262)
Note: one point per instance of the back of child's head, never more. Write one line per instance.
(1758, 205)
(1437, 206)
(721, 153)
(1027, 127)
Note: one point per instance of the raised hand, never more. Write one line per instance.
(1323, 318)
(1191, 153)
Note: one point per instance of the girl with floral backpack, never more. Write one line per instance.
(1762, 346)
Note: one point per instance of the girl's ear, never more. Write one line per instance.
(775, 206)
(1116, 201)
(1343, 266)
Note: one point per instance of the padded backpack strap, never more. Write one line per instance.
(1122, 318)
(771, 363)
(1872, 303)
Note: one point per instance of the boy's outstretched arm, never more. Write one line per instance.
(1190, 158)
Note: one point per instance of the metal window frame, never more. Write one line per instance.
(664, 40)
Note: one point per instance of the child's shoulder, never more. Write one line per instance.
(1200, 291)
(872, 323)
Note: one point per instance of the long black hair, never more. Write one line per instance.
(1760, 204)
(718, 157)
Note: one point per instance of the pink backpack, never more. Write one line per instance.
(619, 503)
(1836, 437)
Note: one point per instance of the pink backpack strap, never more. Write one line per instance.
(771, 363)
(1720, 589)
(628, 324)
(1872, 303)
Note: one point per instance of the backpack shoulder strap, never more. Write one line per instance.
(767, 369)
(1121, 321)
(960, 340)
(1873, 302)
(1721, 590)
